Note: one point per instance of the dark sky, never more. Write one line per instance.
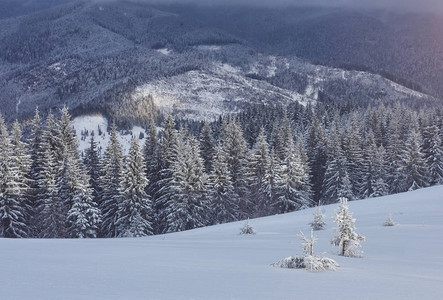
(410, 5)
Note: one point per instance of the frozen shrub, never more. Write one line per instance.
(247, 228)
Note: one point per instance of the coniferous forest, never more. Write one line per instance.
(266, 160)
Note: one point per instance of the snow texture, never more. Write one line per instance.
(217, 263)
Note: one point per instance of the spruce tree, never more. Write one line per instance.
(84, 217)
(235, 147)
(257, 167)
(207, 146)
(134, 214)
(317, 156)
(37, 175)
(292, 194)
(163, 186)
(221, 191)
(92, 165)
(413, 167)
(111, 179)
(188, 204)
(12, 190)
(336, 169)
(346, 239)
(433, 152)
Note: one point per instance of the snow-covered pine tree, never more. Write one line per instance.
(354, 156)
(317, 156)
(235, 147)
(346, 187)
(70, 172)
(247, 228)
(318, 223)
(395, 150)
(50, 207)
(207, 146)
(221, 191)
(111, 179)
(151, 156)
(188, 205)
(37, 174)
(256, 171)
(22, 160)
(162, 188)
(415, 173)
(92, 165)
(433, 152)
(379, 185)
(346, 239)
(292, 193)
(12, 190)
(134, 214)
(389, 221)
(269, 185)
(336, 168)
(84, 218)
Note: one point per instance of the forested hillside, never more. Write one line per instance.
(267, 160)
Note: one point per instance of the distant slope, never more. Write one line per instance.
(99, 56)
(405, 46)
(400, 262)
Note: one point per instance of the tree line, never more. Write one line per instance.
(266, 160)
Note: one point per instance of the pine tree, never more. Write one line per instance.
(12, 190)
(50, 207)
(317, 156)
(163, 186)
(207, 146)
(112, 177)
(234, 145)
(346, 239)
(379, 185)
(134, 215)
(92, 165)
(334, 179)
(257, 167)
(354, 156)
(292, 194)
(188, 204)
(318, 223)
(433, 152)
(221, 191)
(413, 166)
(70, 172)
(270, 184)
(84, 217)
(37, 175)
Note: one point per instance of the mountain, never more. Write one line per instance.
(107, 56)
(399, 262)
(400, 44)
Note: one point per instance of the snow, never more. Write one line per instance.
(400, 262)
(93, 122)
(164, 51)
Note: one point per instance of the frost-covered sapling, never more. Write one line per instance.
(346, 239)
(389, 221)
(308, 261)
(247, 228)
(318, 223)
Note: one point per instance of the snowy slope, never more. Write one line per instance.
(94, 124)
(400, 262)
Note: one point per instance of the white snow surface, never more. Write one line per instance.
(91, 123)
(400, 262)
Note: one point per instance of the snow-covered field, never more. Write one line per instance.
(92, 123)
(400, 262)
